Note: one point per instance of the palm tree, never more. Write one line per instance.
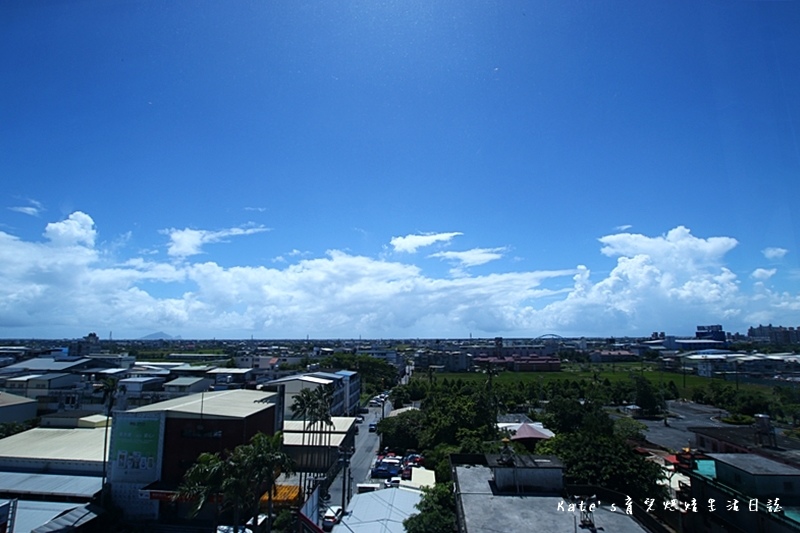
(109, 389)
(268, 462)
(236, 480)
(323, 397)
(303, 409)
(221, 480)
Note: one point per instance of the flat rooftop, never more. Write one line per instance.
(81, 444)
(341, 424)
(230, 404)
(787, 450)
(7, 398)
(380, 510)
(755, 464)
(486, 511)
(19, 483)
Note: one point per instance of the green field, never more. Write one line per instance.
(602, 371)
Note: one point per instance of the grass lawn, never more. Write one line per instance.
(601, 371)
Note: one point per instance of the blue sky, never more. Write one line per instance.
(398, 169)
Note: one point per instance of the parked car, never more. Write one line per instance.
(359, 419)
(332, 517)
(392, 482)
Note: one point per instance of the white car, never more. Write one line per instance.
(332, 517)
(392, 482)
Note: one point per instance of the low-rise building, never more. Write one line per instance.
(184, 386)
(152, 446)
(740, 492)
(509, 492)
(16, 408)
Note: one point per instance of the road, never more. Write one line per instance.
(688, 414)
(366, 448)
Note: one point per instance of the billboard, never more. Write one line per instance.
(136, 442)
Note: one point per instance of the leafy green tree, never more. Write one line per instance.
(563, 415)
(438, 460)
(651, 402)
(605, 461)
(437, 511)
(218, 479)
(376, 374)
(236, 480)
(629, 429)
(402, 432)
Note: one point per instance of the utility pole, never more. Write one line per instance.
(344, 457)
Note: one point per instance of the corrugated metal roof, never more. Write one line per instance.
(83, 444)
(341, 424)
(7, 398)
(46, 364)
(381, 511)
(238, 403)
(33, 514)
(182, 382)
(309, 379)
(229, 371)
(71, 520)
(50, 485)
(296, 439)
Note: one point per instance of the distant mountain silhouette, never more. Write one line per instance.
(159, 336)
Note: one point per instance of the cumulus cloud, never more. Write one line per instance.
(67, 285)
(77, 229)
(410, 243)
(774, 253)
(187, 242)
(763, 273)
(676, 247)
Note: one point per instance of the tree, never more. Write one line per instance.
(217, 479)
(629, 429)
(437, 511)
(267, 461)
(236, 480)
(651, 403)
(322, 399)
(402, 432)
(606, 461)
(303, 408)
(109, 388)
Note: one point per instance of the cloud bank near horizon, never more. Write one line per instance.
(67, 285)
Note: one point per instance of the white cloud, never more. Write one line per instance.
(187, 242)
(76, 230)
(410, 243)
(678, 245)
(774, 253)
(33, 209)
(763, 273)
(624, 227)
(474, 257)
(67, 285)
